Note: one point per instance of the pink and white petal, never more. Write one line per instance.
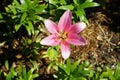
(65, 21)
(51, 26)
(65, 50)
(76, 39)
(78, 27)
(50, 41)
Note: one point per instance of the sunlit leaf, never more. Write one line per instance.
(7, 64)
(17, 26)
(29, 28)
(66, 7)
(75, 64)
(117, 71)
(89, 4)
(24, 15)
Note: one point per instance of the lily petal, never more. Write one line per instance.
(78, 27)
(65, 21)
(50, 41)
(51, 26)
(75, 39)
(65, 49)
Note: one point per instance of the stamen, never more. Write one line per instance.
(62, 35)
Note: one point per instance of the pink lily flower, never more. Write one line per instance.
(64, 34)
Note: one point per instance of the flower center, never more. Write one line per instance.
(62, 35)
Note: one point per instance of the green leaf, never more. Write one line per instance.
(7, 64)
(32, 15)
(117, 72)
(110, 73)
(69, 66)
(65, 68)
(23, 17)
(11, 74)
(75, 2)
(28, 2)
(75, 64)
(78, 2)
(29, 28)
(49, 67)
(54, 2)
(80, 12)
(66, 7)
(2, 43)
(35, 65)
(104, 74)
(24, 74)
(51, 54)
(34, 76)
(39, 8)
(16, 3)
(17, 26)
(89, 4)
(13, 9)
(89, 1)
(35, 2)
(62, 2)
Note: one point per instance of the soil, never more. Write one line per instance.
(103, 42)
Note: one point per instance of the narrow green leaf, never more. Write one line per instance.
(75, 64)
(13, 9)
(62, 2)
(103, 75)
(89, 1)
(2, 43)
(66, 7)
(17, 26)
(89, 4)
(28, 2)
(75, 2)
(29, 28)
(35, 76)
(7, 64)
(39, 8)
(11, 74)
(25, 74)
(117, 72)
(35, 2)
(23, 17)
(16, 3)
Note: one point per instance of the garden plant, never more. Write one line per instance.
(59, 40)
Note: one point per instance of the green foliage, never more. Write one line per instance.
(74, 71)
(30, 47)
(11, 74)
(22, 73)
(27, 75)
(52, 55)
(25, 14)
(77, 6)
(111, 74)
(77, 71)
